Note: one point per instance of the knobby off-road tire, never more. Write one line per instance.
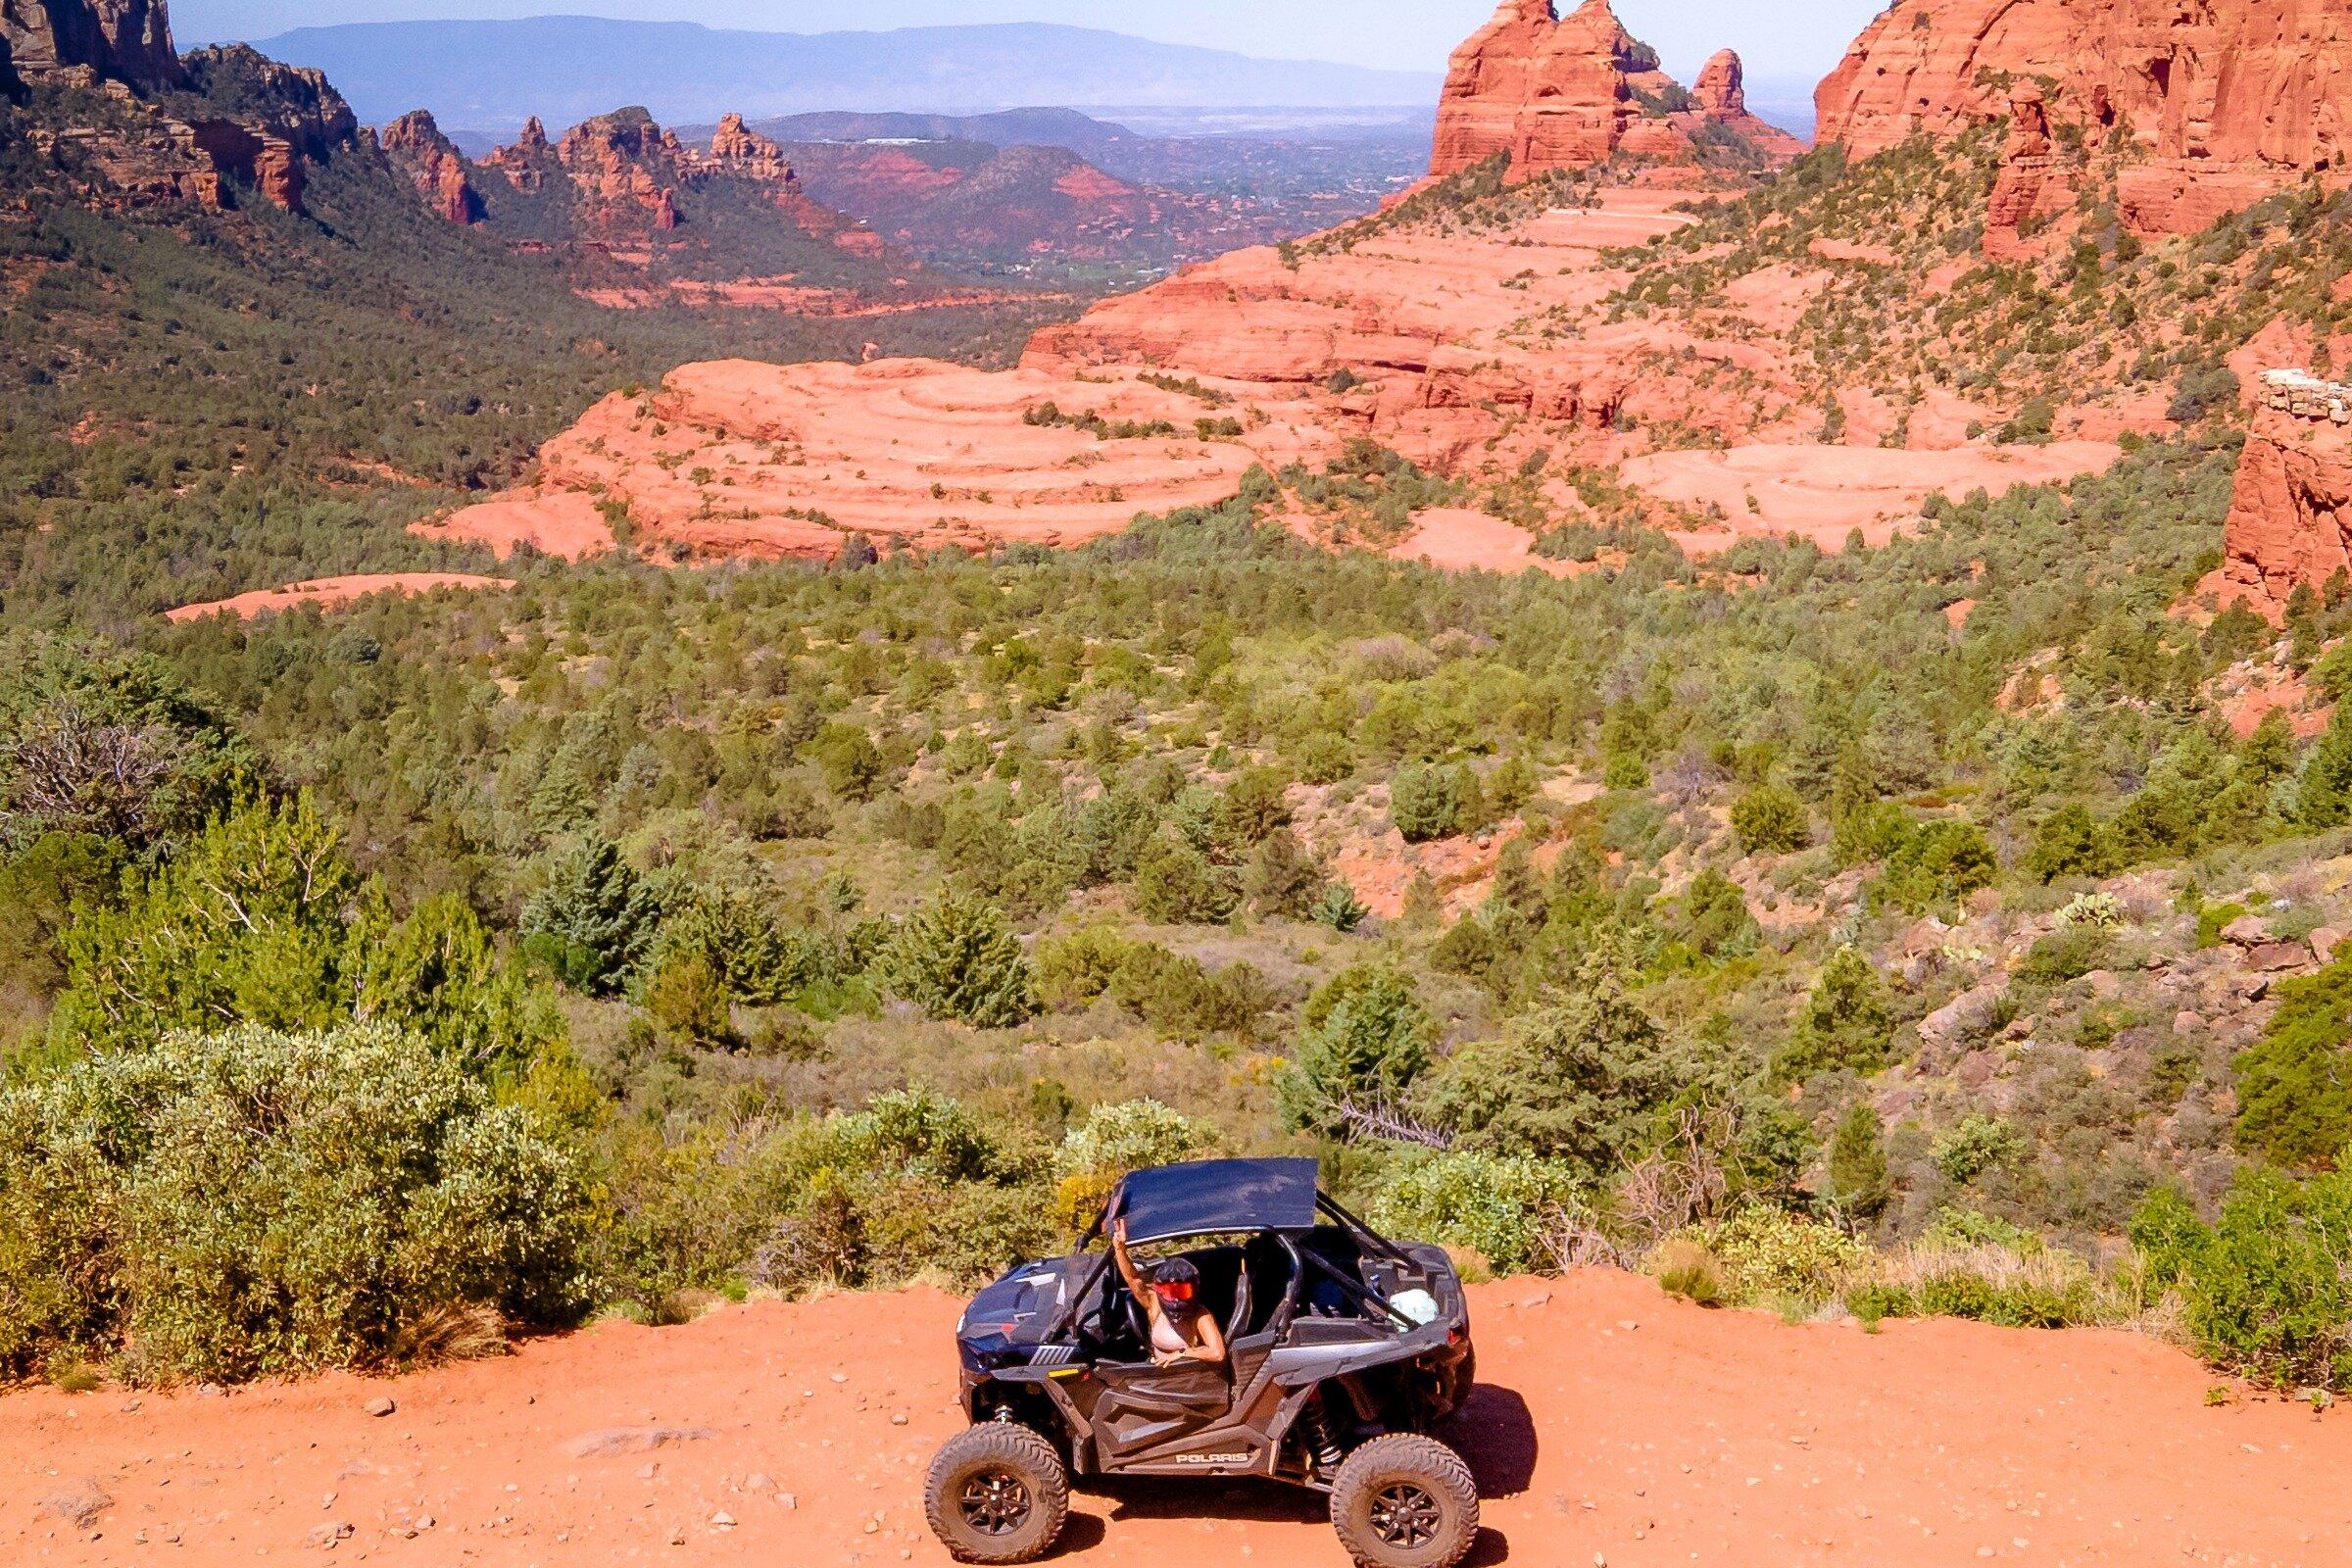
(997, 1493)
(1405, 1502)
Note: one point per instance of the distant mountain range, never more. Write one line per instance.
(491, 76)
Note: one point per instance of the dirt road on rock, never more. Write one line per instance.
(1612, 1426)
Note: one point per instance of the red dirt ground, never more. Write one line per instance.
(1458, 539)
(1613, 1427)
(565, 524)
(330, 592)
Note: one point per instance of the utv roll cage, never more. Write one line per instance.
(1277, 1198)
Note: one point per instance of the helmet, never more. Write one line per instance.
(1175, 1280)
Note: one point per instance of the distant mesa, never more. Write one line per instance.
(1569, 93)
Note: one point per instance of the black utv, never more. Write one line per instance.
(1344, 1352)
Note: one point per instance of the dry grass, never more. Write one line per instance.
(451, 1333)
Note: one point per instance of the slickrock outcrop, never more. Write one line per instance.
(743, 460)
(1569, 92)
(2290, 518)
(2215, 104)
(417, 148)
(121, 40)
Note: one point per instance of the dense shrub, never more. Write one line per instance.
(1368, 1038)
(1770, 819)
(1426, 801)
(595, 920)
(1497, 1206)
(2264, 1286)
(259, 1203)
(2295, 1084)
(261, 918)
(1770, 1255)
(1938, 864)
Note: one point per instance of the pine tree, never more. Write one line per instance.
(1859, 1183)
(596, 918)
(957, 959)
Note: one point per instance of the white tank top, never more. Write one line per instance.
(1166, 1337)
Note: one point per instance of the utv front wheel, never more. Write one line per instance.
(1405, 1502)
(997, 1493)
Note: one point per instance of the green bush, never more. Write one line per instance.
(2071, 841)
(261, 918)
(1496, 1205)
(1938, 866)
(956, 959)
(2294, 1085)
(1770, 1255)
(759, 960)
(2067, 954)
(1770, 819)
(1426, 801)
(595, 920)
(1367, 1038)
(2265, 1288)
(1129, 1135)
(1978, 1144)
(256, 1203)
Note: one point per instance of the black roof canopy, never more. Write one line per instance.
(1218, 1196)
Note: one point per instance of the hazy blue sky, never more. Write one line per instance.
(1780, 39)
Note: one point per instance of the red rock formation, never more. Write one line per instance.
(2031, 183)
(123, 41)
(1566, 93)
(2290, 519)
(740, 149)
(525, 164)
(431, 160)
(2215, 102)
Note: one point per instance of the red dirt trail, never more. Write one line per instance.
(1612, 1426)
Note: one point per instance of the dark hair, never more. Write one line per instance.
(1175, 1271)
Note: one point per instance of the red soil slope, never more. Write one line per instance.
(1613, 1427)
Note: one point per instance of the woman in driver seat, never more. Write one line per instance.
(1182, 1329)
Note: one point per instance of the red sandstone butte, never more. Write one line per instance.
(2215, 104)
(431, 160)
(1569, 92)
(2290, 518)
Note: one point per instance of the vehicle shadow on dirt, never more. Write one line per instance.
(1494, 1430)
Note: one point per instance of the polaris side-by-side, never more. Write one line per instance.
(1344, 1350)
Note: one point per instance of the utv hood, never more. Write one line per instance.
(1013, 1314)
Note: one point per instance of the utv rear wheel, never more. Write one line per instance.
(997, 1493)
(1405, 1502)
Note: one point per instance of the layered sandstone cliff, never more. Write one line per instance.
(163, 128)
(120, 40)
(2210, 105)
(1570, 92)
